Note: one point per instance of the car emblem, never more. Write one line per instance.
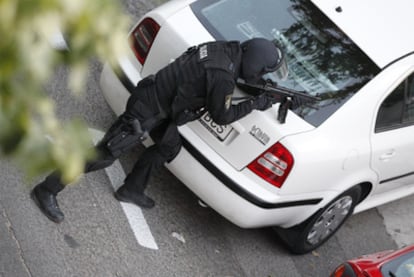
(258, 134)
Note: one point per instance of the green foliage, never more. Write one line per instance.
(29, 130)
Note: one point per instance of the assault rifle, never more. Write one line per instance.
(287, 95)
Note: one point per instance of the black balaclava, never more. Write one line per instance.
(259, 56)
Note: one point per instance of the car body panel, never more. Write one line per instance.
(381, 41)
(216, 194)
(393, 161)
(115, 93)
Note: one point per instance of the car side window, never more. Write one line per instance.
(399, 266)
(397, 110)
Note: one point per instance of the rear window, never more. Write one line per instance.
(322, 60)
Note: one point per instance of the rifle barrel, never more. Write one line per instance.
(281, 91)
(290, 92)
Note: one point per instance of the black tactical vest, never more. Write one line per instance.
(181, 86)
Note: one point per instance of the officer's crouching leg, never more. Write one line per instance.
(132, 191)
(104, 159)
(44, 194)
(168, 145)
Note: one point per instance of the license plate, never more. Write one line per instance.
(219, 131)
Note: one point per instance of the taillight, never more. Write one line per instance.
(273, 165)
(142, 37)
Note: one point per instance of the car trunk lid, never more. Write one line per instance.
(240, 142)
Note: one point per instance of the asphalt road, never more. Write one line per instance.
(101, 237)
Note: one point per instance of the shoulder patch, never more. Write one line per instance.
(203, 52)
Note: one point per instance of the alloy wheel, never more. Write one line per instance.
(330, 220)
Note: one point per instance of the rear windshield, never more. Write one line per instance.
(321, 59)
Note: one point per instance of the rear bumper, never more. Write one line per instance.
(233, 186)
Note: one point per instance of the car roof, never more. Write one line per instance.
(381, 28)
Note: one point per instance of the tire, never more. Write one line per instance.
(316, 230)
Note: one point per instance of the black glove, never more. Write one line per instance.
(263, 102)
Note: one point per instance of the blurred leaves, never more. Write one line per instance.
(29, 130)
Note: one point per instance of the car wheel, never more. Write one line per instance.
(316, 230)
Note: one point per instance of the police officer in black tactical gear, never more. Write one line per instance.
(200, 80)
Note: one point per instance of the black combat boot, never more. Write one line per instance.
(47, 203)
(137, 198)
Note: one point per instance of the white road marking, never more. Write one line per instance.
(133, 213)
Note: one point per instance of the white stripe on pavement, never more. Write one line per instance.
(133, 213)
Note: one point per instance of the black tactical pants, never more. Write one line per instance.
(167, 145)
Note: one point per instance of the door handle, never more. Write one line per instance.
(387, 156)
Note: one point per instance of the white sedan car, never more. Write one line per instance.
(350, 151)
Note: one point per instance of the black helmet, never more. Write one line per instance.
(260, 56)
